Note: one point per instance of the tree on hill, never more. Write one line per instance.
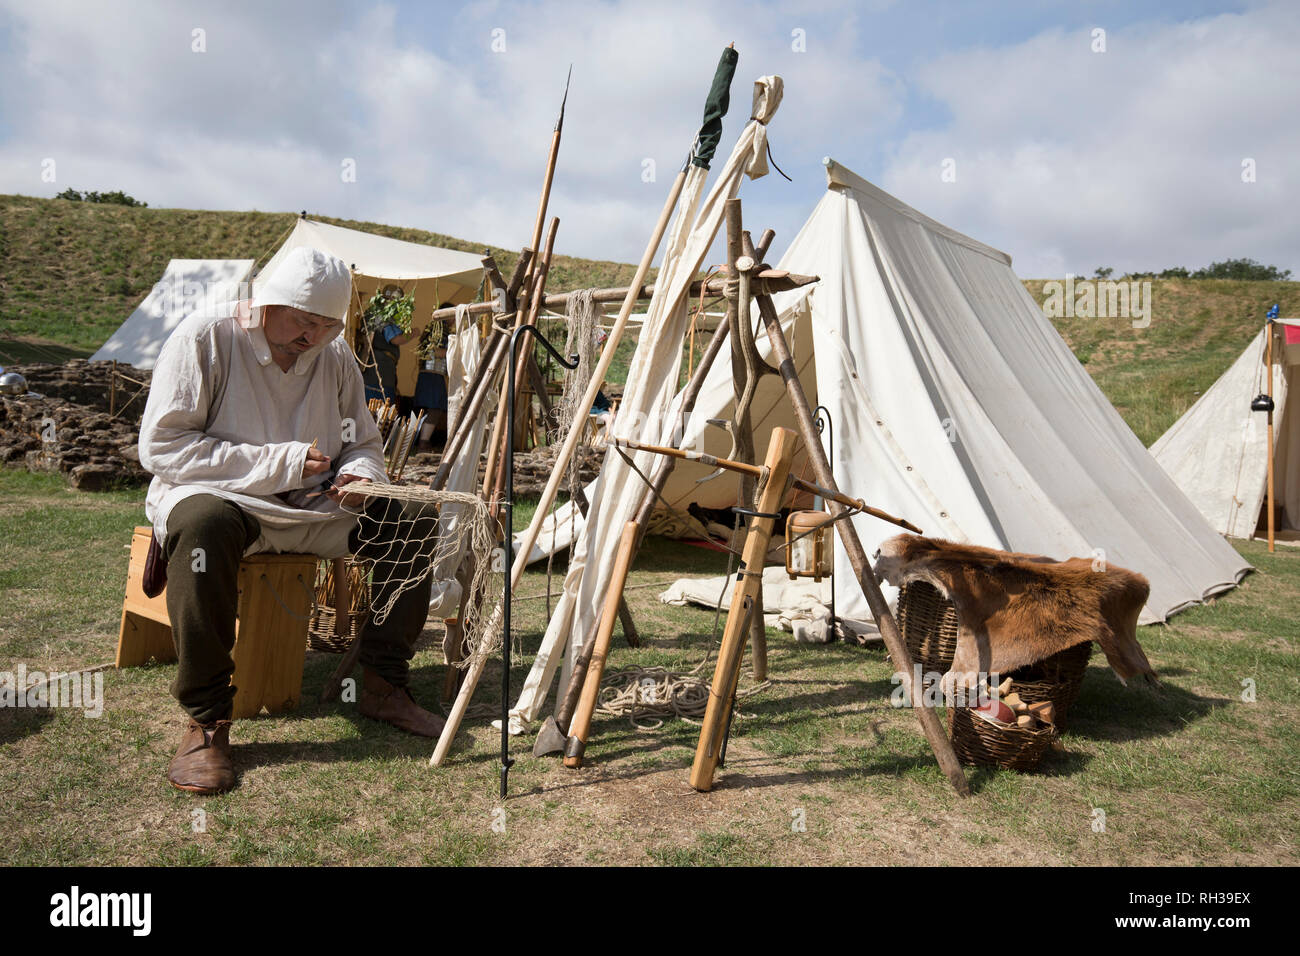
(116, 197)
(1242, 269)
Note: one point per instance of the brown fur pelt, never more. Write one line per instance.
(1017, 609)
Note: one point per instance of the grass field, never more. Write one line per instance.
(821, 770)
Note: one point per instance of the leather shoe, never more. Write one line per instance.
(381, 700)
(202, 763)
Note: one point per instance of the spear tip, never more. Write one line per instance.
(559, 123)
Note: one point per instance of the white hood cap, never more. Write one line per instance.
(310, 280)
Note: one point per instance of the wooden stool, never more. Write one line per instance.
(270, 632)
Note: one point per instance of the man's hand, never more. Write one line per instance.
(343, 498)
(317, 463)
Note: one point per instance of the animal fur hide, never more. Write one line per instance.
(1016, 609)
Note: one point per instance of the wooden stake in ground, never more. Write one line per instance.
(857, 555)
(726, 675)
(581, 723)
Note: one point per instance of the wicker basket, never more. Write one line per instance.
(979, 741)
(320, 631)
(929, 625)
(1057, 679)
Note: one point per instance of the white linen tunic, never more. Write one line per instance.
(223, 419)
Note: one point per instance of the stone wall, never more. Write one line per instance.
(63, 423)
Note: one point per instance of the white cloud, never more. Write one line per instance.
(452, 139)
(1070, 159)
(1067, 159)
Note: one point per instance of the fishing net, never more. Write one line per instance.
(583, 314)
(407, 530)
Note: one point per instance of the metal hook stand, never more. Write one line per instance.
(572, 363)
(825, 424)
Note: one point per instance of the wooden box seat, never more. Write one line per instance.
(273, 611)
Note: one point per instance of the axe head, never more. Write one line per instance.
(549, 739)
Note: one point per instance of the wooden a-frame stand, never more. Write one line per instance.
(726, 675)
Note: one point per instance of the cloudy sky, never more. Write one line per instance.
(1075, 134)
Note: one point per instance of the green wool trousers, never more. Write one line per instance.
(201, 595)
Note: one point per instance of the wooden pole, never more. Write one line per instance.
(726, 674)
(521, 363)
(548, 178)
(766, 280)
(831, 494)
(597, 378)
(561, 464)
(580, 725)
(506, 294)
(624, 615)
(857, 555)
(1269, 372)
(746, 360)
(492, 477)
(689, 396)
(481, 386)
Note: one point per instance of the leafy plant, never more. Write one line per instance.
(383, 309)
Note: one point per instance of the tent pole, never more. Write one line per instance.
(934, 732)
(1269, 372)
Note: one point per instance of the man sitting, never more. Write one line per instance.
(256, 422)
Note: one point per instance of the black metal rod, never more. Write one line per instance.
(508, 411)
(822, 414)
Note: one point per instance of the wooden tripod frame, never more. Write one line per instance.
(726, 674)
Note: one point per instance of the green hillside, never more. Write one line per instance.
(1198, 328)
(70, 272)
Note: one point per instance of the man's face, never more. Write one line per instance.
(290, 331)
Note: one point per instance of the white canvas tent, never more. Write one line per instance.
(187, 285)
(1217, 452)
(434, 274)
(956, 405)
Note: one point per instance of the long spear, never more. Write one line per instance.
(547, 179)
(575, 433)
(523, 316)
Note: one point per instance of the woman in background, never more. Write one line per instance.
(431, 385)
